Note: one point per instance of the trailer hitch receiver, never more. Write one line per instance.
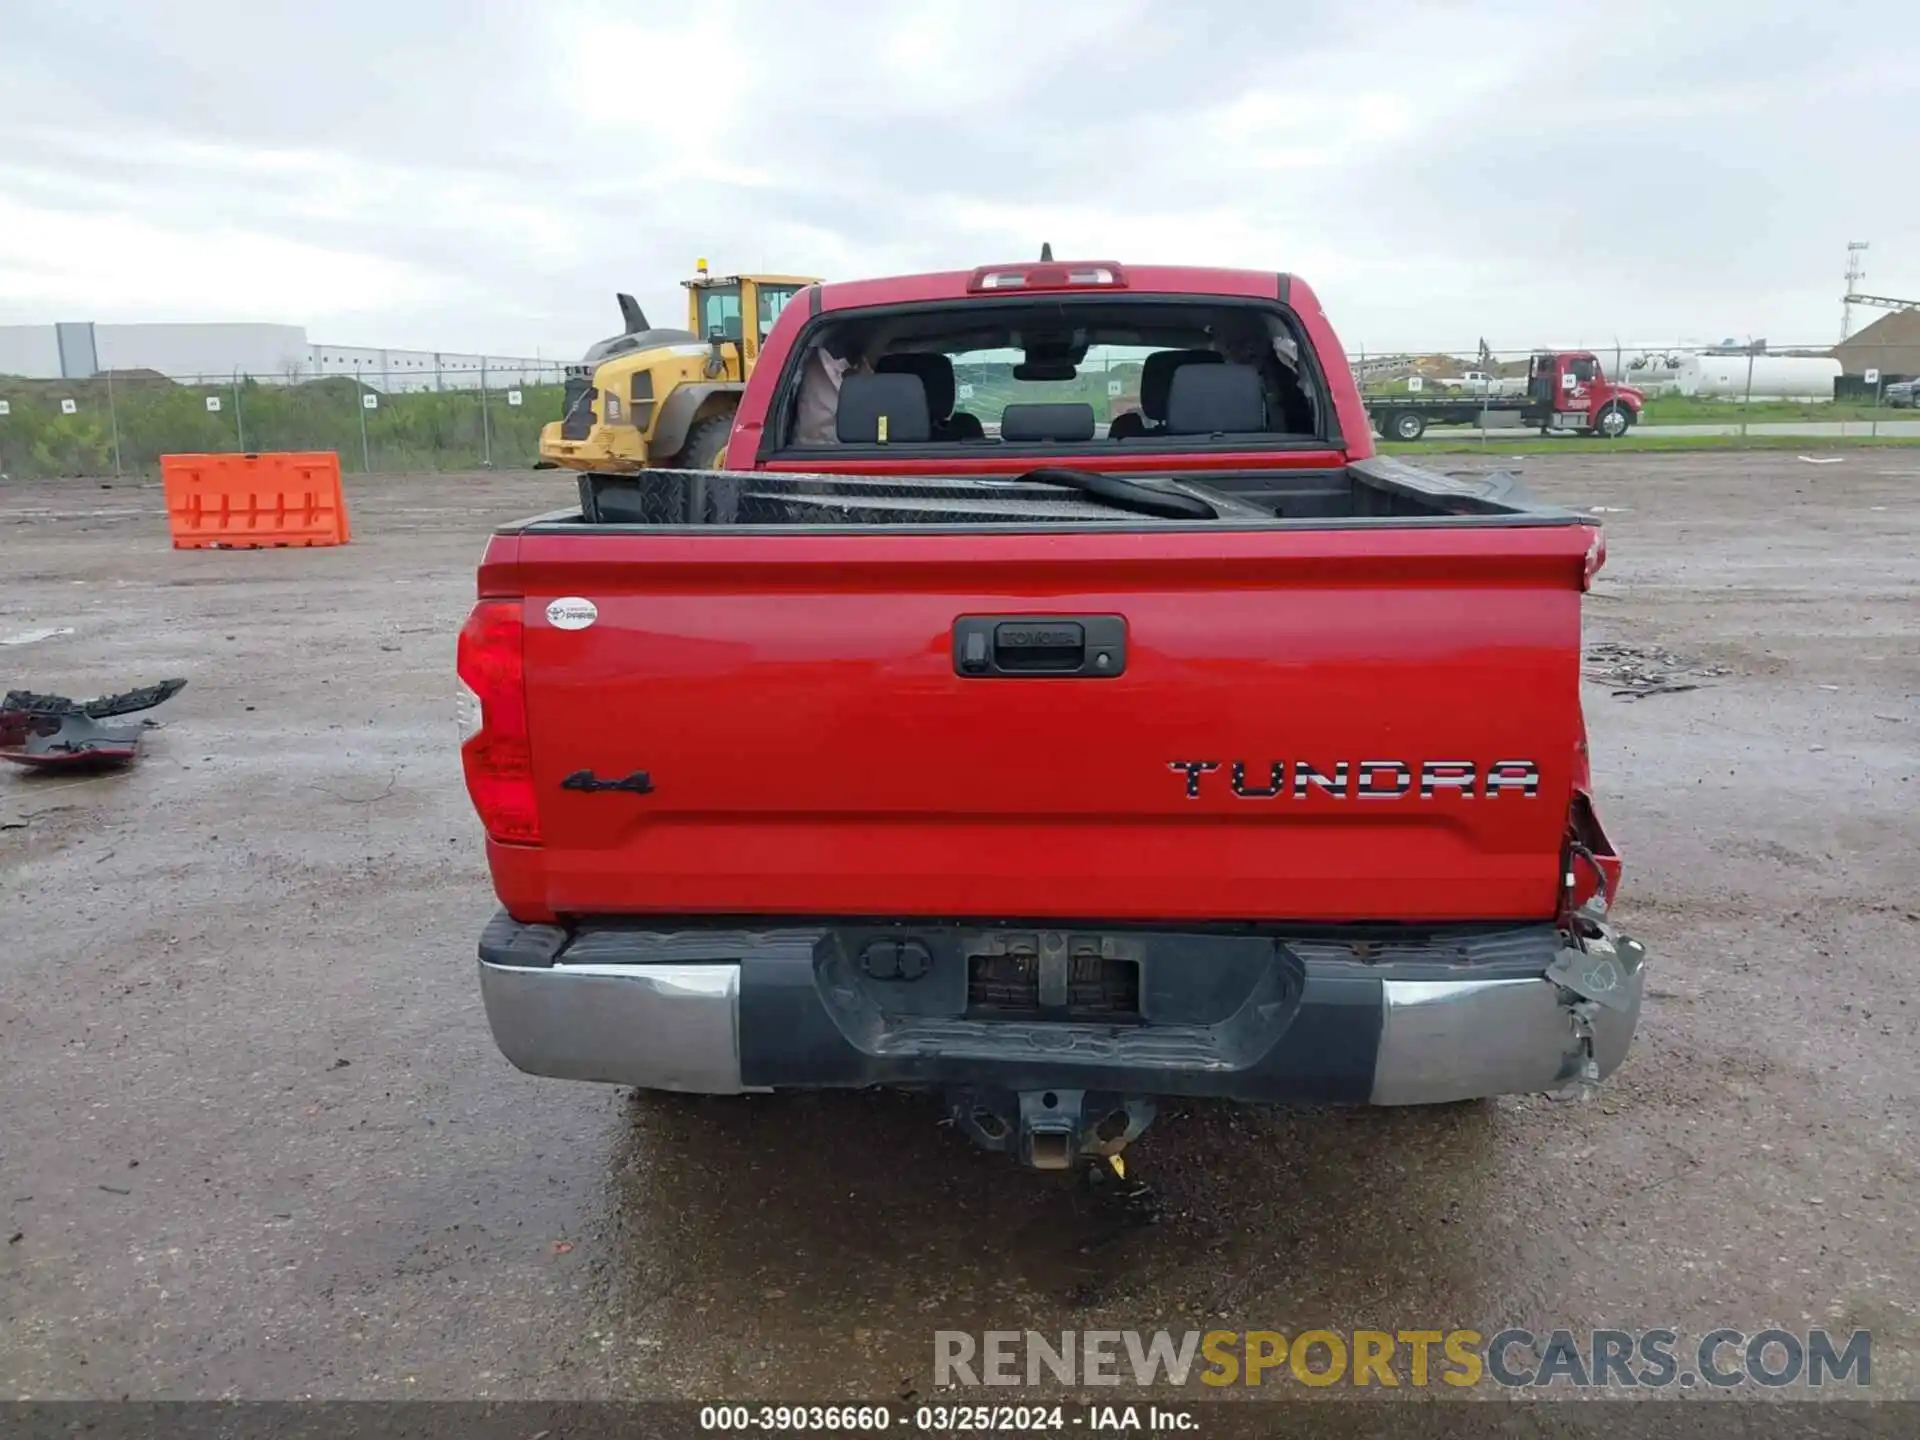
(1051, 1129)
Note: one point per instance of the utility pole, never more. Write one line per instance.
(1854, 276)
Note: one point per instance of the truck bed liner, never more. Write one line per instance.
(1367, 491)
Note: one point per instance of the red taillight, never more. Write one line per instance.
(499, 755)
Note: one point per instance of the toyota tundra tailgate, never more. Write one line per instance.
(1328, 723)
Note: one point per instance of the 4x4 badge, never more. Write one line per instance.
(638, 783)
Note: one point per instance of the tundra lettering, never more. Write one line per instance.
(1368, 779)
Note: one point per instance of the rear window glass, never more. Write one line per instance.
(1108, 379)
(1062, 365)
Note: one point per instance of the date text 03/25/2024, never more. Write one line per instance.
(946, 1419)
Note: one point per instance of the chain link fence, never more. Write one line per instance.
(121, 423)
(412, 421)
(1747, 386)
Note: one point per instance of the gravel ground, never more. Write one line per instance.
(255, 1140)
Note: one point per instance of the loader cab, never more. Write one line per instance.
(653, 397)
(718, 308)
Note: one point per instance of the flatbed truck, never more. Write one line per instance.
(1567, 393)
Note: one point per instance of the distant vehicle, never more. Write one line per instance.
(1902, 395)
(1760, 377)
(1481, 382)
(1566, 392)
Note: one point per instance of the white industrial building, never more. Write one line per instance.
(78, 350)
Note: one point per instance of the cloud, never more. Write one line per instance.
(484, 177)
(212, 273)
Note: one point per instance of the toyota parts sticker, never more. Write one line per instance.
(571, 612)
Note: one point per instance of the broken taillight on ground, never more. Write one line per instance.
(55, 732)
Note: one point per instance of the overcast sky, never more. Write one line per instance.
(471, 174)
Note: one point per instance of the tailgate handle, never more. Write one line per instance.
(1092, 647)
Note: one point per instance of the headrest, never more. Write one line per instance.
(1046, 422)
(864, 398)
(935, 372)
(1156, 376)
(1216, 400)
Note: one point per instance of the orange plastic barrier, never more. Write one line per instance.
(254, 502)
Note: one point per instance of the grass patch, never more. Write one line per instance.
(1679, 410)
(1576, 444)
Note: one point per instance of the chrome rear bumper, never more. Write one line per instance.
(677, 1025)
(660, 1027)
(1443, 1040)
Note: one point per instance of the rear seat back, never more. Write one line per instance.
(1156, 380)
(1217, 400)
(936, 373)
(1156, 377)
(1068, 423)
(867, 398)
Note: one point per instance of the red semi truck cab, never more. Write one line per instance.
(962, 737)
(1569, 390)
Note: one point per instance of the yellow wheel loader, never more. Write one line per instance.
(657, 397)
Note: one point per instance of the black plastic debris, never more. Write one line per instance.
(1635, 672)
(127, 702)
(55, 732)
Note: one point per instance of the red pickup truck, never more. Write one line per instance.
(1049, 765)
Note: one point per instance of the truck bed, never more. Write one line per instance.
(1378, 488)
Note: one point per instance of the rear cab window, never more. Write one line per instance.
(1094, 373)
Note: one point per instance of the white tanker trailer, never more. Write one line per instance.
(1772, 377)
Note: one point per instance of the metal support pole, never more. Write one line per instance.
(1486, 393)
(1879, 395)
(486, 421)
(239, 420)
(113, 419)
(1747, 403)
(360, 399)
